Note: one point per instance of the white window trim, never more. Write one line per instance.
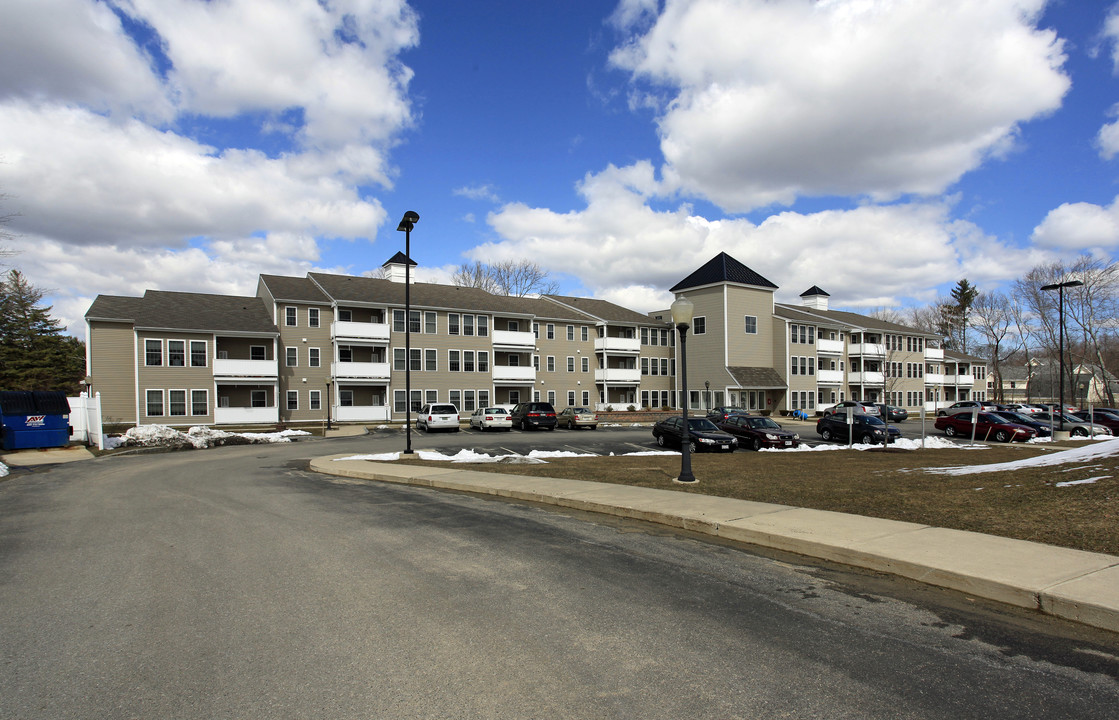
(162, 403)
(186, 402)
(286, 313)
(205, 354)
(206, 393)
(288, 353)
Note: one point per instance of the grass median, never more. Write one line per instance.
(1074, 505)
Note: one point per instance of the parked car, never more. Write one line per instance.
(718, 414)
(1100, 417)
(534, 415)
(1025, 408)
(1029, 421)
(438, 416)
(893, 413)
(866, 429)
(861, 408)
(756, 432)
(1074, 425)
(966, 406)
(702, 434)
(491, 418)
(577, 417)
(988, 426)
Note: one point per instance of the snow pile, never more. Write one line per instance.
(3, 470)
(932, 442)
(1094, 451)
(1085, 481)
(198, 437)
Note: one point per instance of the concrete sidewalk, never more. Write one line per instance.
(1071, 584)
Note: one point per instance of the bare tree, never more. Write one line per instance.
(516, 278)
(1094, 307)
(992, 317)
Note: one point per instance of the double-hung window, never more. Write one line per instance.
(292, 357)
(154, 403)
(199, 402)
(751, 325)
(699, 325)
(176, 353)
(312, 317)
(198, 353)
(313, 357)
(429, 323)
(290, 316)
(153, 355)
(177, 402)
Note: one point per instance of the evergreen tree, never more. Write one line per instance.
(964, 294)
(34, 354)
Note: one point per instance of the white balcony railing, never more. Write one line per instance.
(374, 332)
(245, 415)
(517, 373)
(829, 347)
(959, 379)
(246, 368)
(934, 378)
(934, 353)
(866, 378)
(874, 349)
(513, 340)
(618, 375)
(617, 344)
(829, 377)
(360, 370)
(361, 413)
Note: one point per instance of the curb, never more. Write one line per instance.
(1071, 584)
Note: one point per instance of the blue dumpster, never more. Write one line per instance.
(38, 419)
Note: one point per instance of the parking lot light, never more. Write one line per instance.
(682, 311)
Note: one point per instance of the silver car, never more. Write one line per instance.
(438, 416)
(491, 418)
(1075, 426)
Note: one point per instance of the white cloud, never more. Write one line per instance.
(478, 192)
(779, 100)
(1080, 227)
(1110, 34)
(867, 256)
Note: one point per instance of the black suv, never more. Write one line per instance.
(534, 415)
(865, 429)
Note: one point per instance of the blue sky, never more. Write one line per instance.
(880, 150)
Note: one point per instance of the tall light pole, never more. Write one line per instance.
(682, 311)
(1060, 288)
(328, 405)
(406, 224)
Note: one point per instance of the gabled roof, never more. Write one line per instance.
(814, 291)
(757, 378)
(293, 289)
(198, 312)
(722, 268)
(852, 320)
(602, 310)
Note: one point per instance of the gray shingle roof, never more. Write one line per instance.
(856, 321)
(114, 307)
(208, 313)
(758, 378)
(603, 310)
(293, 289)
(723, 268)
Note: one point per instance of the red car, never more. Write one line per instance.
(989, 427)
(1108, 419)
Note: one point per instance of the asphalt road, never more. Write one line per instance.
(235, 583)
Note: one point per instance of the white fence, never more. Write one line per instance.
(85, 418)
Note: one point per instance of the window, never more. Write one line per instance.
(199, 402)
(793, 364)
(399, 359)
(431, 396)
(586, 365)
(293, 399)
(312, 317)
(414, 322)
(416, 353)
(653, 367)
(751, 325)
(176, 402)
(699, 325)
(176, 353)
(153, 356)
(468, 400)
(399, 401)
(551, 363)
(551, 331)
(453, 362)
(811, 341)
(536, 330)
(345, 315)
(431, 362)
(644, 366)
(258, 398)
(398, 321)
(583, 333)
(456, 398)
(570, 397)
(468, 325)
(586, 397)
(346, 398)
(429, 323)
(293, 357)
(536, 363)
(258, 352)
(313, 359)
(645, 341)
(453, 323)
(792, 332)
(198, 353)
(289, 316)
(551, 397)
(570, 363)
(483, 326)
(811, 366)
(314, 399)
(570, 333)
(513, 326)
(468, 361)
(664, 366)
(345, 353)
(483, 398)
(483, 361)
(154, 403)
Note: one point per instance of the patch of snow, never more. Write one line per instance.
(649, 452)
(542, 454)
(3, 470)
(1080, 454)
(1087, 481)
(199, 437)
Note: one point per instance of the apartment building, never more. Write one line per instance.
(747, 350)
(305, 348)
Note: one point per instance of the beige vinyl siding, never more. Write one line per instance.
(442, 381)
(302, 378)
(166, 378)
(112, 360)
(707, 352)
(750, 350)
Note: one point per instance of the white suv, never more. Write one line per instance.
(438, 416)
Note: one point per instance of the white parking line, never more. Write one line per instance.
(574, 448)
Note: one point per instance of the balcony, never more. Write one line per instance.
(829, 377)
(360, 413)
(829, 347)
(872, 349)
(934, 353)
(246, 415)
(513, 340)
(360, 370)
(617, 345)
(246, 369)
(618, 375)
(866, 378)
(934, 378)
(364, 331)
(959, 380)
(514, 374)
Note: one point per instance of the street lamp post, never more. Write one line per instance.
(682, 311)
(328, 405)
(406, 224)
(1060, 288)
